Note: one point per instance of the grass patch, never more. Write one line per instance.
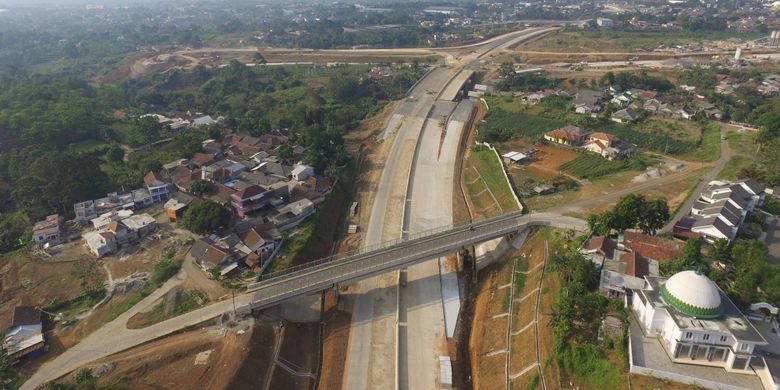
(733, 166)
(71, 307)
(743, 143)
(588, 166)
(521, 265)
(589, 363)
(492, 172)
(175, 303)
(708, 148)
(87, 146)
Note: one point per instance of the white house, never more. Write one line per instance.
(722, 208)
(100, 243)
(301, 172)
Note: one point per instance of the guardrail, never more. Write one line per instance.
(328, 272)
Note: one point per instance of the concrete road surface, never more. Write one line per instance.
(115, 337)
(372, 359)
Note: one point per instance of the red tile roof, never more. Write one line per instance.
(656, 248)
(250, 191)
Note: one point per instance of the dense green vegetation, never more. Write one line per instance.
(527, 82)
(206, 216)
(576, 318)
(61, 141)
(633, 211)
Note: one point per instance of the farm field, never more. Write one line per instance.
(509, 118)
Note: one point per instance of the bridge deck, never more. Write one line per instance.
(395, 255)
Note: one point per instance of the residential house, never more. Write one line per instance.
(293, 214)
(604, 22)
(721, 209)
(85, 211)
(623, 263)
(102, 221)
(204, 120)
(183, 176)
(301, 172)
(24, 338)
(200, 160)
(588, 101)
(544, 189)
(122, 234)
(157, 188)
(568, 135)
(48, 232)
(625, 115)
(607, 145)
(213, 148)
(208, 255)
(260, 240)
(177, 205)
(100, 243)
(316, 185)
(709, 109)
(142, 198)
(250, 199)
(141, 224)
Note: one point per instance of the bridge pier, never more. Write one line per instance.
(304, 308)
(488, 252)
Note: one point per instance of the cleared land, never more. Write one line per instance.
(585, 41)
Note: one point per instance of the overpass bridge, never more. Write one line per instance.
(329, 272)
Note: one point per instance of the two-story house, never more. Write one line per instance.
(157, 188)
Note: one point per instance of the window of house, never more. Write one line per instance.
(688, 335)
(723, 339)
(706, 337)
(744, 347)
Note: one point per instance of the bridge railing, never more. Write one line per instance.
(267, 278)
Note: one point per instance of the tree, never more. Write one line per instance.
(654, 215)
(114, 153)
(719, 250)
(600, 224)
(627, 211)
(15, 231)
(258, 58)
(84, 379)
(6, 368)
(205, 217)
(285, 153)
(199, 187)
